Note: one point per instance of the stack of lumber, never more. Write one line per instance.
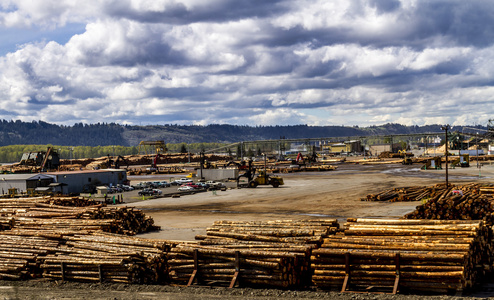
(120, 220)
(6, 223)
(68, 225)
(131, 220)
(413, 193)
(9, 206)
(103, 257)
(433, 255)
(256, 267)
(19, 255)
(487, 190)
(309, 231)
(49, 211)
(71, 213)
(456, 203)
(71, 201)
(270, 253)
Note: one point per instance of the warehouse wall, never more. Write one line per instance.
(77, 180)
(218, 174)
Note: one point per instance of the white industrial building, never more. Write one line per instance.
(69, 182)
(23, 182)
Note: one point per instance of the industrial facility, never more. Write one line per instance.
(66, 183)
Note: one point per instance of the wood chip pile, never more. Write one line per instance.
(267, 254)
(438, 256)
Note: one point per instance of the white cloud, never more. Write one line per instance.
(361, 62)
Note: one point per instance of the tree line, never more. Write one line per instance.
(107, 134)
(13, 153)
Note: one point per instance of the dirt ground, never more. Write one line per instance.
(333, 194)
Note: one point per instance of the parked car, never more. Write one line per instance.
(165, 184)
(149, 192)
(215, 185)
(203, 185)
(116, 189)
(140, 186)
(195, 186)
(158, 184)
(186, 188)
(183, 180)
(127, 188)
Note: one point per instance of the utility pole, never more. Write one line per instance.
(445, 128)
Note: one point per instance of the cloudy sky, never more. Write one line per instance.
(247, 62)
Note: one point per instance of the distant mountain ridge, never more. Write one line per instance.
(104, 134)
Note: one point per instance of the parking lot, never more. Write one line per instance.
(158, 186)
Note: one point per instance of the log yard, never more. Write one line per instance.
(206, 225)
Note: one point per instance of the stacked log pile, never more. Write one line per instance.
(456, 203)
(103, 257)
(71, 213)
(120, 220)
(10, 206)
(19, 255)
(413, 193)
(309, 231)
(131, 220)
(487, 190)
(6, 223)
(269, 254)
(428, 255)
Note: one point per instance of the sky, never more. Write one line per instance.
(247, 62)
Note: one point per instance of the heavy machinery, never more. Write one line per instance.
(154, 163)
(433, 163)
(159, 150)
(249, 171)
(463, 161)
(160, 146)
(264, 179)
(407, 160)
(44, 160)
(115, 164)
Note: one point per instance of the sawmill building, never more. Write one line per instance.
(69, 182)
(75, 182)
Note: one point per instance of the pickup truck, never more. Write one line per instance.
(215, 185)
(183, 181)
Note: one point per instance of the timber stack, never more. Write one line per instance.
(19, 255)
(103, 257)
(188, 262)
(56, 214)
(270, 253)
(427, 255)
(457, 203)
(413, 193)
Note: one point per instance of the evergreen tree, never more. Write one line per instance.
(183, 149)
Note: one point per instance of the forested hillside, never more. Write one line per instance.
(103, 134)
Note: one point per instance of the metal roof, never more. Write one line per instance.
(85, 171)
(7, 177)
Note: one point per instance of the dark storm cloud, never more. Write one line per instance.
(135, 51)
(461, 21)
(385, 6)
(211, 11)
(254, 61)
